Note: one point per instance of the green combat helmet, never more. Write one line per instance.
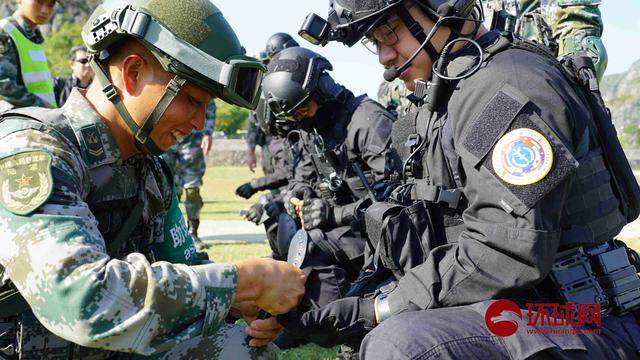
(190, 38)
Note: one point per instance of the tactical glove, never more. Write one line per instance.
(255, 213)
(298, 194)
(245, 190)
(317, 213)
(344, 321)
(274, 208)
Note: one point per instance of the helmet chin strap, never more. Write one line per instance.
(142, 134)
(425, 42)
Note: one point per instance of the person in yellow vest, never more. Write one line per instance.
(25, 78)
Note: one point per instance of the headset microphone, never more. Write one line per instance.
(393, 72)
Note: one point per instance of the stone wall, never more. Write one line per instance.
(229, 152)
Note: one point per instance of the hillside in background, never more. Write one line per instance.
(622, 94)
(73, 11)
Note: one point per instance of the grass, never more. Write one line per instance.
(218, 192)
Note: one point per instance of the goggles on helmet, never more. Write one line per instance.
(236, 80)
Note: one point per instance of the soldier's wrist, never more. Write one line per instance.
(250, 284)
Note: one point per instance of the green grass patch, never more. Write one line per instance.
(219, 192)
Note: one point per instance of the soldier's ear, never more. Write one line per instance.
(135, 71)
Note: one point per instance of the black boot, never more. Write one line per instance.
(193, 225)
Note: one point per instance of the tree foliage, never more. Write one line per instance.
(230, 119)
(57, 46)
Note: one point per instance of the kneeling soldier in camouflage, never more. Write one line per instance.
(96, 258)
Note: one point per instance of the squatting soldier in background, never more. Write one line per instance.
(255, 136)
(284, 151)
(514, 187)
(25, 79)
(96, 257)
(187, 161)
(81, 75)
(338, 133)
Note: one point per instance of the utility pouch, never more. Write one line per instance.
(574, 279)
(408, 236)
(619, 279)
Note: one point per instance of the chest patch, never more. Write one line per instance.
(522, 157)
(26, 182)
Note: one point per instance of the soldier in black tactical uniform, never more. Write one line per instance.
(514, 187)
(284, 151)
(342, 164)
(255, 135)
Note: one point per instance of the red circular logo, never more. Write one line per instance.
(502, 317)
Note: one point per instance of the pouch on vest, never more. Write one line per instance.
(408, 237)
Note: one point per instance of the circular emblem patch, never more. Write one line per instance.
(522, 157)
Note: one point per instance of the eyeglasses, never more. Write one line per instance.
(84, 61)
(384, 34)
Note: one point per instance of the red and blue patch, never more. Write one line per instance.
(522, 157)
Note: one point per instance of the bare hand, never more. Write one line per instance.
(206, 144)
(251, 160)
(275, 286)
(263, 331)
(297, 205)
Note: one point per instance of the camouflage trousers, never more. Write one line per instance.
(28, 339)
(186, 159)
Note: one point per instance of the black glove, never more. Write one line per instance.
(344, 321)
(255, 213)
(317, 213)
(245, 190)
(299, 194)
(274, 208)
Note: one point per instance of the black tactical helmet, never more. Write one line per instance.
(294, 76)
(271, 124)
(350, 20)
(278, 42)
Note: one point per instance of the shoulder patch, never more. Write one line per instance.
(26, 182)
(522, 157)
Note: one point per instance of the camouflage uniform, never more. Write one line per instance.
(12, 89)
(187, 161)
(257, 137)
(576, 25)
(393, 96)
(66, 196)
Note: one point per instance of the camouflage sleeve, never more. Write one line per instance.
(577, 26)
(57, 258)
(252, 131)
(210, 119)
(11, 88)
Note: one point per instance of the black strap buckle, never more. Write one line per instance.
(450, 197)
(110, 92)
